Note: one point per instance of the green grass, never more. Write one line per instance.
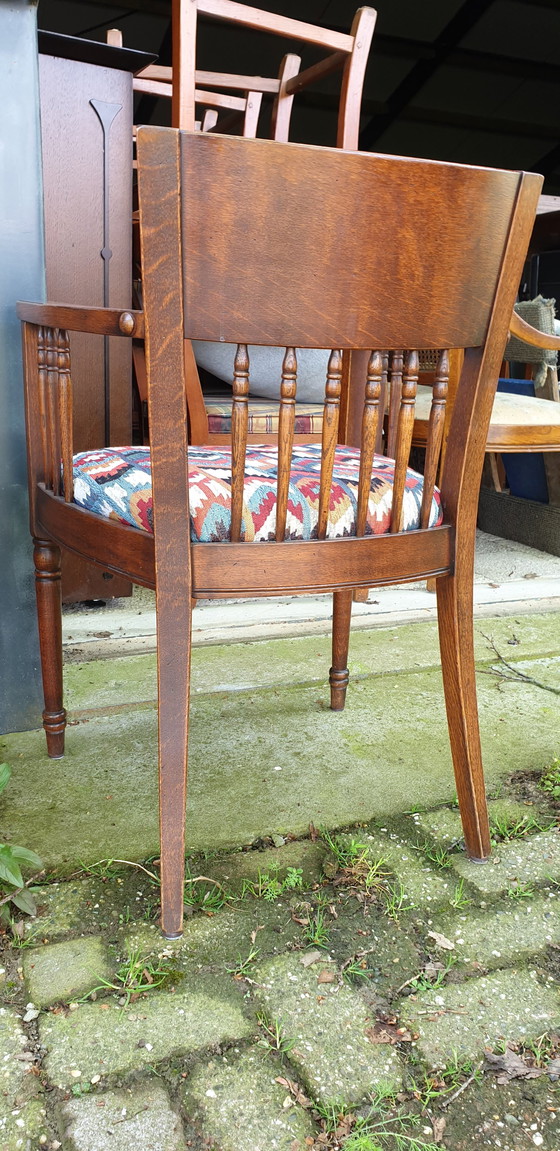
(136, 975)
(505, 828)
(243, 966)
(459, 900)
(317, 930)
(436, 854)
(274, 1038)
(520, 891)
(204, 894)
(395, 900)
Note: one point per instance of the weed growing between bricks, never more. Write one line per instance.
(363, 990)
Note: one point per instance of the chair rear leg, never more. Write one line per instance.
(455, 621)
(48, 589)
(338, 673)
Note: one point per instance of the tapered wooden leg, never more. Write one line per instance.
(174, 644)
(48, 589)
(338, 673)
(455, 621)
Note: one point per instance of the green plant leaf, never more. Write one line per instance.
(23, 855)
(9, 869)
(5, 773)
(25, 901)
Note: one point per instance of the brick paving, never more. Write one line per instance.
(273, 1013)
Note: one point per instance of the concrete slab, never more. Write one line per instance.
(241, 1106)
(270, 760)
(101, 1038)
(64, 971)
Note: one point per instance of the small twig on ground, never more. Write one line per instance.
(463, 1087)
(18, 890)
(516, 676)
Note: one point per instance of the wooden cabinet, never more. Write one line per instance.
(86, 129)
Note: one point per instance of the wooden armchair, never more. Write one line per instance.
(240, 238)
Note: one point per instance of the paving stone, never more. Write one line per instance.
(61, 972)
(13, 1040)
(327, 1023)
(535, 859)
(101, 1038)
(508, 934)
(140, 1117)
(423, 886)
(238, 1103)
(462, 1019)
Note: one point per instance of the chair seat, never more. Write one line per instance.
(263, 416)
(116, 483)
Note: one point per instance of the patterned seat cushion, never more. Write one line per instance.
(263, 416)
(116, 483)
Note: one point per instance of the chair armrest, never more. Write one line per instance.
(530, 335)
(95, 321)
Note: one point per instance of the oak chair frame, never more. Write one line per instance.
(197, 178)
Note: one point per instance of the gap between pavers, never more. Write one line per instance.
(461, 1020)
(139, 1117)
(325, 1028)
(22, 1114)
(239, 1104)
(102, 1039)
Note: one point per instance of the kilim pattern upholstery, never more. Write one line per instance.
(116, 483)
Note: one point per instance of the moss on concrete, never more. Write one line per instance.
(101, 1038)
(508, 935)
(293, 761)
(64, 971)
(222, 940)
(378, 651)
(23, 1127)
(532, 860)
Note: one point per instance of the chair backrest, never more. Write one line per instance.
(347, 52)
(251, 241)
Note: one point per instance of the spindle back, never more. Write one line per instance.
(252, 242)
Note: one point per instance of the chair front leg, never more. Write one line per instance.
(48, 590)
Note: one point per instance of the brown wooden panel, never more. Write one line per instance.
(87, 213)
(303, 216)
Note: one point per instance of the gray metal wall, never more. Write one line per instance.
(21, 277)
